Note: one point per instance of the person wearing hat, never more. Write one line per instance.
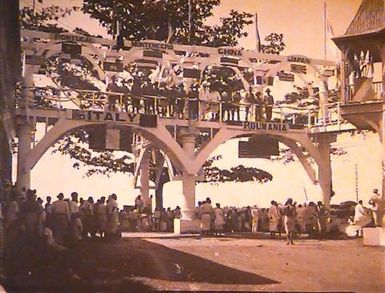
(60, 218)
(258, 107)
(378, 207)
(112, 98)
(204, 99)
(290, 219)
(30, 211)
(112, 217)
(268, 101)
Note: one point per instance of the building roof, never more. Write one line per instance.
(370, 18)
(369, 22)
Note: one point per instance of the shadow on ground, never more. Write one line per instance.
(100, 266)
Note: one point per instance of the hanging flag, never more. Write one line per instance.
(257, 36)
(298, 68)
(102, 138)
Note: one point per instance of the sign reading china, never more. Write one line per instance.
(266, 126)
(230, 52)
(132, 118)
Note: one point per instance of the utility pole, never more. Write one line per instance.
(356, 175)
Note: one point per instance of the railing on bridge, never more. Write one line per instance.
(184, 108)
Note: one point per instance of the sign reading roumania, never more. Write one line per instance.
(131, 118)
(266, 126)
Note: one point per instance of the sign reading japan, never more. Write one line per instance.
(265, 126)
(298, 59)
(132, 118)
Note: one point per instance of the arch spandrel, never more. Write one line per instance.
(226, 134)
(159, 136)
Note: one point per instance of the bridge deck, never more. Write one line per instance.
(51, 116)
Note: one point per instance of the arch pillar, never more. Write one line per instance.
(187, 139)
(145, 177)
(24, 134)
(188, 223)
(325, 169)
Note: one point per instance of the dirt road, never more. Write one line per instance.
(143, 262)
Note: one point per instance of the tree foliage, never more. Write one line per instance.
(274, 44)
(45, 19)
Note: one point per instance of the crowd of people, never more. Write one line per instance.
(67, 220)
(62, 221)
(202, 100)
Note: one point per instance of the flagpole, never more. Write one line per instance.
(258, 38)
(325, 28)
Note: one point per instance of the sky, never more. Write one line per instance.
(301, 22)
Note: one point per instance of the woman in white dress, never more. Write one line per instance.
(219, 219)
(274, 217)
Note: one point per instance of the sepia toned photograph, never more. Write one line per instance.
(192, 145)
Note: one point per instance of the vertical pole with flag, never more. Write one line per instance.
(189, 22)
(257, 37)
(325, 28)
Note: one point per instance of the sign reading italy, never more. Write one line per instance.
(132, 118)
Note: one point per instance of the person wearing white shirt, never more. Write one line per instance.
(255, 219)
(274, 218)
(219, 220)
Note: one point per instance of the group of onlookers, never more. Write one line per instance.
(60, 222)
(289, 218)
(201, 100)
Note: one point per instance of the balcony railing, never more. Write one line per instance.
(184, 108)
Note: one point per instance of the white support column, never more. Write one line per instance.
(24, 146)
(380, 212)
(325, 171)
(145, 178)
(188, 204)
(188, 223)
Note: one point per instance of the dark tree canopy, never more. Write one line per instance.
(156, 20)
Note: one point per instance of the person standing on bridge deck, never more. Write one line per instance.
(249, 102)
(180, 101)
(269, 103)
(226, 104)
(258, 107)
(235, 105)
(148, 91)
(214, 104)
(193, 101)
(172, 96)
(204, 99)
(112, 89)
(136, 92)
(162, 96)
(126, 89)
